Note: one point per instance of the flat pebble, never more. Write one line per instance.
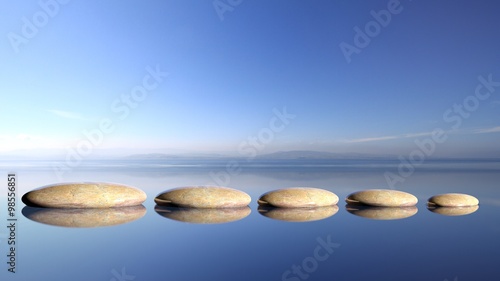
(203, 216)
(453, 211)
(298, 197)
(84, 217)
(453, 200)
(204, 197)
(298, 214)
(382, 198)
(382, 213)
(84, 195)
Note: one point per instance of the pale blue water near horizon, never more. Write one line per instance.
(425, 246)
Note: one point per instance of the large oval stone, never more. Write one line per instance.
(382, 213)
(298, 214)
(453, 200)
(84, 195)
(204, 197)
(203, 215)
(453, 211)
(382, 198)
(298, 197)
(84, 218)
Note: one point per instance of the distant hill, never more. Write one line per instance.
(308, 154)
(173, 156)
(284, 155)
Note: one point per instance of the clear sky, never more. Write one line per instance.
(339, 76)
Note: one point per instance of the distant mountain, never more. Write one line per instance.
(152, 156)
(283, 155)
(308, 154)
(173, 156)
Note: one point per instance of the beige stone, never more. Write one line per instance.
(84, 217)
(298, 197)
(382, 213)
(298, 214)
(382, 198)
(85, 195)
(203, 215)
(453, 200)
(453, 211)
(204, 197)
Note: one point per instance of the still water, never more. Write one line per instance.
(148, 243)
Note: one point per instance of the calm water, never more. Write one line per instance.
(345, 246)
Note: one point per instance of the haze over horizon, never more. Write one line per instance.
(378, 77)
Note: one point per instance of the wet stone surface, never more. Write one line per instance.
(298, 197)
(204, 197)
(84, 195)
(382, 198)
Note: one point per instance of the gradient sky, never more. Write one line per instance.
(229, 72)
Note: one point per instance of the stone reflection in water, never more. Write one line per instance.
(203, 215)
(382, 213)
(84, 218)
(298, 214)
(453, 211)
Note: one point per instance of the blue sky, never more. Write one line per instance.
(67, 66)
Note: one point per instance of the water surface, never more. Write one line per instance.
(155, 245)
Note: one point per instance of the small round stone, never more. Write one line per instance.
(298, 214)
(203, 216)
(382, 213)
(84, 217)
(84, 195)
(204, 197)
(453, 211)
(298, 197)
(382, 198)
(453, 200)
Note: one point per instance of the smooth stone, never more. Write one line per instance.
(203, 215)
(204, 197)
(298, 197)
(298, 214)
(382, 213)
(453, 200)
(453, 211)
(84, 218)
(85, 195)
(382, 198)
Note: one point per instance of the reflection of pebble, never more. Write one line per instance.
(298, 197)
(382, 198)
(382, 213)
(298, 214)
(453, 211)
(453, 200)
(84, 195)
(203, 216)
(85, 217)
(204, 197)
